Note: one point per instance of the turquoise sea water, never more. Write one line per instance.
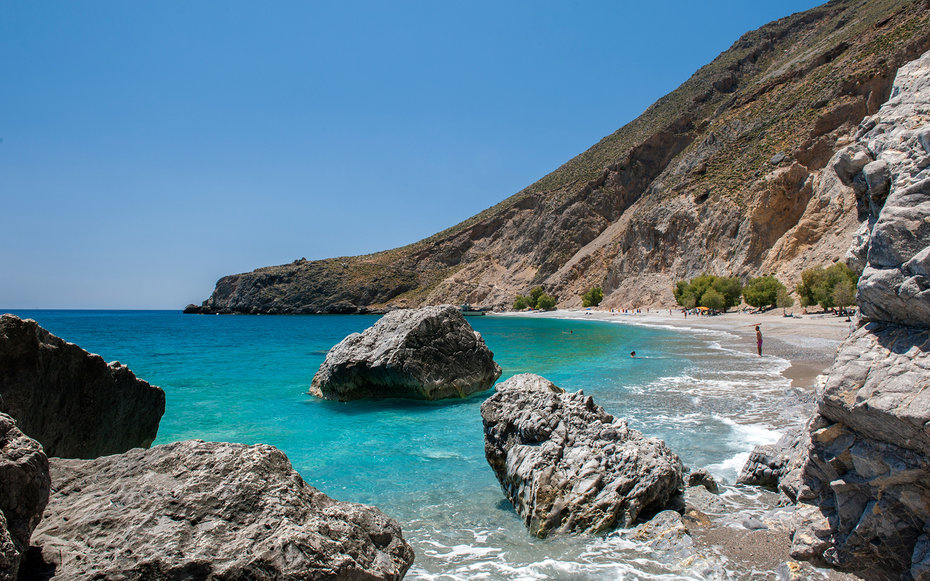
(245, 378)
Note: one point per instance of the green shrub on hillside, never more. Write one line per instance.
(537, 299)
(535, 293)
(697, 292)
(828, 287)
(762, 291)
(545, 302)
(593, 297)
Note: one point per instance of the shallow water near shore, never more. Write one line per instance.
(245, 378)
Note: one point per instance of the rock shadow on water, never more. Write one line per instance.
(359, 407)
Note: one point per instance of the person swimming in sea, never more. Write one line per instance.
(633, 354)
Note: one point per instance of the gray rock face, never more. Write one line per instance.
(895, 285)
(9, 556)
(868, 465)
(71, 401)
(201, 510)
(778, 466)
(702, 477)
(24, 490)
(867, 468)
(429, 353)
(566, 465)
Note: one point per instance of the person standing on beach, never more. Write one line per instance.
(759, 340)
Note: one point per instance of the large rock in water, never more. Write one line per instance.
(566, 465)
(201, 510)
(72, 402)
(867, 467)
(429, 353)
(24, 490)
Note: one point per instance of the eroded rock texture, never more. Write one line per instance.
(209, 510)
(430, 353)
(72, 402)
(566, 465)
(778, 466)
(868, 464)
(24, 490)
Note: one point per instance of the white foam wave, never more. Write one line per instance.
(750, 435)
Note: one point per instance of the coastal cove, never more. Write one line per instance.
(244, 379)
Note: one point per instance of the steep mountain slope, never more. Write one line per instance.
(731, 173)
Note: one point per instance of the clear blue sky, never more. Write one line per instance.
(149, 148)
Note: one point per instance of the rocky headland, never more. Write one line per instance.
(733, 173)
(429, 353)
(568, 466)
(73, 402)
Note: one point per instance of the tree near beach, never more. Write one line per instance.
(593, 297)
(537, 299)
(784, 300)
(545, 302)
(762, 291)
(844, 294)
(824, 286)
(697, 291)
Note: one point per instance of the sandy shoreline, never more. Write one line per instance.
(808, 342)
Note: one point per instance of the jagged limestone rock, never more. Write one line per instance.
(430, 353)
(9, 556)
(777, 466)
(209, 510)
(867, 467)
(72, 402)
(895, 285)
(24, 490)
(702, 477)
(566, 465)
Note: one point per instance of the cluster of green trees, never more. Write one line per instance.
(833, 287)
(767, 291)
(717, 293)
(537, 299)
(593, 297)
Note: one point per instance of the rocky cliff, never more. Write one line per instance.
(732, 173)
(867, 466)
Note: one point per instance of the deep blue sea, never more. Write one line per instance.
(245, 379)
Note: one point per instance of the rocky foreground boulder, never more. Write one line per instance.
(24, 490)
(568, 466)
(429, 353)
(778, 466)
(208, 510)
(72, 402)
(867, 468)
